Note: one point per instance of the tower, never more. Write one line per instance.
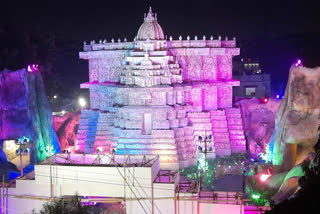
(153, 96)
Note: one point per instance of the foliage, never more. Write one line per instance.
(267, 154)
(258, 196)
(202, 163)
(218, 167)
(67, 205)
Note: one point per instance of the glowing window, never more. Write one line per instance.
(250, 91)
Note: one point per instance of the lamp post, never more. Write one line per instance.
(22, 150)
(205, 150)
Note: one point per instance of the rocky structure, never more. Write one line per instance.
(25, 111)
(66, 127)
(295, 134)
(156, 96)
(297, 120)
(259, 122)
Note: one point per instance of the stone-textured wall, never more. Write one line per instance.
(259, 122)
(66, 127)
(103, 66)
(297, 120)
(164, 80)
(25, 111)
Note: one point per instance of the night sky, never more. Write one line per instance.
(276, 33)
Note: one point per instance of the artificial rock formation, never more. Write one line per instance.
(66, 127)
(25, 111)
(259, 122)
(156, 96)
(297, 120)
(296, 131)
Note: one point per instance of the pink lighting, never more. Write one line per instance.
(264, 177)
(148, 103)
(298, 63)
(278, 96)
(264, 100)
(33, 68)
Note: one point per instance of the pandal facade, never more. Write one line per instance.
(156, 96)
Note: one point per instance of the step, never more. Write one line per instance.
(155, 146)
(221, 135)
(218, 130)
(213, 117)
(198, 115)
(147, 152)
(222, 140)
(232, 110)
(238, 142)
(236, 132)
(200, 120)
(219, 124)
(234, 121)
(234, 116)
(233, 137)
(218, 113)
(235, 127)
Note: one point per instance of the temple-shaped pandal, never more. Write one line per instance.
(156, 96)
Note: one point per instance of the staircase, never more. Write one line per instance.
(104, 132)
(82, 130)
(91, 132)
(236, 132)
(202, 126)
(220, 132)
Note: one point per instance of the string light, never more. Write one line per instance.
(49, 149)
(203, 165)
(255, 196)
(266, 155)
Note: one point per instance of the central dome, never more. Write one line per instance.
(150, 29)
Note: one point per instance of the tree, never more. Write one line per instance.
(67, 205)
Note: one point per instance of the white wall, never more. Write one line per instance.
(88, 181)
(220, 208)
(107, 182)
(187, 206)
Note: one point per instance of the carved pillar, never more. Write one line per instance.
(224, 67)
(93, 69)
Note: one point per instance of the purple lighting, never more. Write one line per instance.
(298, 63)
(33, 68)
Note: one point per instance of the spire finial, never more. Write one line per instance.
(150, 10)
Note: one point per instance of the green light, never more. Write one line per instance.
(267, 154)
(203, 165)
(49, 149)
(255, 196)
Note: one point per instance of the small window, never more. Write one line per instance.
(250, 91)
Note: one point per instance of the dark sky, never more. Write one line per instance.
(112, 18)
(277, 32)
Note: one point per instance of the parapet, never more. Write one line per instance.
(204, 43)
(104, 45)
(195, 43)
